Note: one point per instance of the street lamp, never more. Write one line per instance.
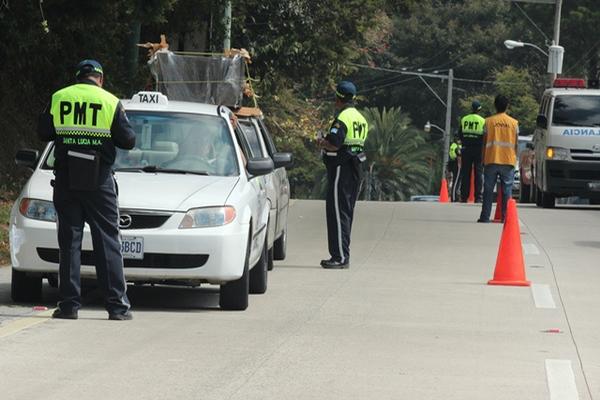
(512, 44)
(555, 55)
(429, 125)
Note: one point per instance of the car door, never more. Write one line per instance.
(259, 184)
(282, 184)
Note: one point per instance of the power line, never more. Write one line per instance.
(584, 57)
(438, 76)
(533, 23)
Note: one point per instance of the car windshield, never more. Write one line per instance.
(575, 110)
(183, 143)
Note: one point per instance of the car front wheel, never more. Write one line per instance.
(234, 295)
(25, 288)
(258, 274)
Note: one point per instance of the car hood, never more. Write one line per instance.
(153, 191)
(172, 192)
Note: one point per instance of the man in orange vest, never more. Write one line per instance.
(499, 155)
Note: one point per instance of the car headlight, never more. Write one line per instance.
(557, 153)
(207, 217)
(37, 209)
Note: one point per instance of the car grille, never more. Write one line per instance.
(151, 260)
(587, 175)
(584, 155)
(141, 220)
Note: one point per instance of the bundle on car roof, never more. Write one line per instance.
(211, 78)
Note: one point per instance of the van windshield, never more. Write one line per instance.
(576, 111)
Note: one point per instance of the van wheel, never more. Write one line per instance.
(280, 246)
(524, 194)
(538, 196)
(234, 295)
(548, 200)
(25, 289)
(258, 274)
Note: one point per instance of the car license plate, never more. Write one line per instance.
(594, 186)
(132, 247)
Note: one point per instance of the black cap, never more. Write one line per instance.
(345, 90)
(87, 67)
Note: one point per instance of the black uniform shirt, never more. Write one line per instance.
(337, 133)
(122, 135)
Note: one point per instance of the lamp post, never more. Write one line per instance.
(429, 125)
(512, 44)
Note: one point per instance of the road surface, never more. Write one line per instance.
(412, 318)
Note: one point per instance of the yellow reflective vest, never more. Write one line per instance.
(472, 126)
(83, 114)
(500, 141)
(357, 127)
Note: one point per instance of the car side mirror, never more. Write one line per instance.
(541, 121)
(282, 159)
(260, 166)
(27, 158)
(529, 145)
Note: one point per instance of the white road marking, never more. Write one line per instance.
(561, 380)
(530, 248)
(25, 322)
(542, 296)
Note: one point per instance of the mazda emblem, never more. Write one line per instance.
(125, 221)
(596, 148)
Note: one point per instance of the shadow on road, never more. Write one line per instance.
(145, 297)
(588, 243)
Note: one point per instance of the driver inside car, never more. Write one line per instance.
(196, 151)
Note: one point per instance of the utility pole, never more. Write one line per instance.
(227, 24)
(556, 35)
(448, 123)
(447, 104)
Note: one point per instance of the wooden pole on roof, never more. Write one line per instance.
(227, 24)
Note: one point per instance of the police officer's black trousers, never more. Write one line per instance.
(471, 157)
(342, 190)
(100, 210)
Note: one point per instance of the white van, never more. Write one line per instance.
(566, 143)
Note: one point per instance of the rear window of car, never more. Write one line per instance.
(576, 110)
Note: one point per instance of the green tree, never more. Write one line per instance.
(518, 86)
(399, 159)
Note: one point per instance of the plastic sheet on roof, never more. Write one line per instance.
(214, 79)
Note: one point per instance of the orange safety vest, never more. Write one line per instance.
(501, 139)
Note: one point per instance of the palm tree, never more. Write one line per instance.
(399, 159)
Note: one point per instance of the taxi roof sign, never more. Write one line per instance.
(150, 98)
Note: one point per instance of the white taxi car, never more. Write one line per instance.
(193, 206)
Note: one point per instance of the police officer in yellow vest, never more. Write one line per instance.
(86, 123)
(471, 135)
(500, 143)
(343, 155)
(454, 155)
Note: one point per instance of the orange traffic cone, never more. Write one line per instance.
(498, 213)
(444, 191)
(471, 198)
(510, 267)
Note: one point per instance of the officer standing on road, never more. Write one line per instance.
(86, 123)
(453, 164)
(471, 134)
(343, 155)
(500, 144)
